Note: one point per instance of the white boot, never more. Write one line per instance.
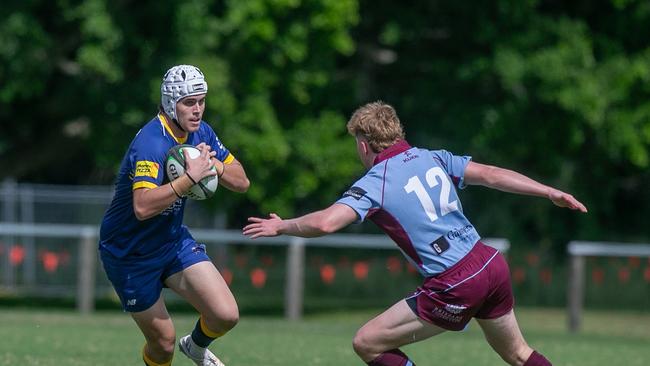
(201, 356)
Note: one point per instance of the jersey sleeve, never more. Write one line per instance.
(223, 154)
(364, 197)
(454, 165)
(147, 161)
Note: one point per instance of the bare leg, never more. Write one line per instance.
(158, 330)
(504, 336)
(202, 285)
(391, 329)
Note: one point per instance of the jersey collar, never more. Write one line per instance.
(165, 123)
(397, 148)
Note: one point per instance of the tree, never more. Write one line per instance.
(556, 90)
(270, 65)
(559, 90)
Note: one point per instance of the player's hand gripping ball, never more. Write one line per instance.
(175, 167)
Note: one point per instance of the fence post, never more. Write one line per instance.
(27, 216)
(9, 196)
(294, 289)
(87, 267)
(576, 291)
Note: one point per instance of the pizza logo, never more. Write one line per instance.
(144, 168)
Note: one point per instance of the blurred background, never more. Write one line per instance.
(558, 90)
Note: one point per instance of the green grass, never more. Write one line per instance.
(56, 337)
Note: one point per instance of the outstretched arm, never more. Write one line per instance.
(513, 182)
(317, 223)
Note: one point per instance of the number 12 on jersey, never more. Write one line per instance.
(415, 185)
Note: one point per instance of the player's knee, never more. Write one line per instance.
(230, 318)
(362, 345)
(229, 322)
(223, 321)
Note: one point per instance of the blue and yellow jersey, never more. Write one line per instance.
(410, 193)
(143, 166)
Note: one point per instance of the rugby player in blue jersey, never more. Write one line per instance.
(143, 242)
(410, 193)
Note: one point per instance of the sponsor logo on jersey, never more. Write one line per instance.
(131, 302)
(409, 156)
(440, 245)
(459, 233)
(173, 208)
(446, 315)
(355, 192)
(144, 168)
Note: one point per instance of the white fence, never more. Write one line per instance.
(578, 251)
(49, 204)
(85, 286)
(86, 236)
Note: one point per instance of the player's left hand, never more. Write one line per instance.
(203, 146)
(260, 227)
(562, 199)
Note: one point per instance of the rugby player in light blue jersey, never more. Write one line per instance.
(410, 193)
(143, 242)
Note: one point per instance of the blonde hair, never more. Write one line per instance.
(378, 123)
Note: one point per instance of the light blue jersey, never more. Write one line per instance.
(410, 193)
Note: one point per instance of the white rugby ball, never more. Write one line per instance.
(175, 167)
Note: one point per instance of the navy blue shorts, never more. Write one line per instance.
(139, 280)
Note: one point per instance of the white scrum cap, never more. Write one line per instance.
(179, 82)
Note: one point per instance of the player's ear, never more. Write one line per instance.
(365, 147)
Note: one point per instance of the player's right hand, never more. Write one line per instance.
(201, 166)
(562, 199)
(260, 227)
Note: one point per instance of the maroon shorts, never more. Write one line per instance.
(477, 286)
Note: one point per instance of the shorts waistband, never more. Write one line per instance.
(476, 250)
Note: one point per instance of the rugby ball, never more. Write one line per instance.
(175, 167)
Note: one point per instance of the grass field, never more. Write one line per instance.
(55, 338)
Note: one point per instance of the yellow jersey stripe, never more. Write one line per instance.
(143, 184)
(165, 123)
(229, 159)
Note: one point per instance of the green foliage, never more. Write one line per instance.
(264, 62)
(23, 45)
(265, 76)
(551, 90)
(557, 90)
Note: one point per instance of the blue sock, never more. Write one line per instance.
(202, 336)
